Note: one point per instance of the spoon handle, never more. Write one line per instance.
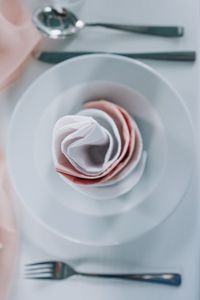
(165, 31)
(57, 57)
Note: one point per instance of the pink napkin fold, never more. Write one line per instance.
(8, 232)
(18, 37)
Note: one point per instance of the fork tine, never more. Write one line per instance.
(40, 263)
(40, 277)
(39, 268)
(35, 272)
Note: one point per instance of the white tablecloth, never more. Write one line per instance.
(174, 246)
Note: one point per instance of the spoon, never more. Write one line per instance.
(58, 23)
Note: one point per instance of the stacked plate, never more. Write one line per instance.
(167, 140)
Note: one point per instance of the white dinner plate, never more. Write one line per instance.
(167, 135)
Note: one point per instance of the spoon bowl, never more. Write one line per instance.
(56, 23)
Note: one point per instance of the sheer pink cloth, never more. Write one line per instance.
(18, 37)
(8, 232)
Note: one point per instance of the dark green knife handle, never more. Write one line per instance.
(184, 56)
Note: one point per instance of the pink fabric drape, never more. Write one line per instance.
(18, 37)
(8, 232)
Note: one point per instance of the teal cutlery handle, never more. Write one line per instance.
(169, 56)
(163, 31)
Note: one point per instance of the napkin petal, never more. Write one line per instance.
(107, 122)
(92, 151)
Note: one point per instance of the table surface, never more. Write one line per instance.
(174, 245)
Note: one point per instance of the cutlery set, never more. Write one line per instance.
(58, 23)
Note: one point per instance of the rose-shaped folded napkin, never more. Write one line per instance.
(18, 37)
(82, 146)
(131, 145)
(8, 234)
(62, 163)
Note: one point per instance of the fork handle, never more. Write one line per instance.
(172, 279)
(165, 31)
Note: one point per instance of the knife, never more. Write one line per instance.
(57, 57)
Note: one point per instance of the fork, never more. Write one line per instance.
(57, 270)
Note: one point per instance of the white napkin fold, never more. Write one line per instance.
(106, 122)
(87, 145)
